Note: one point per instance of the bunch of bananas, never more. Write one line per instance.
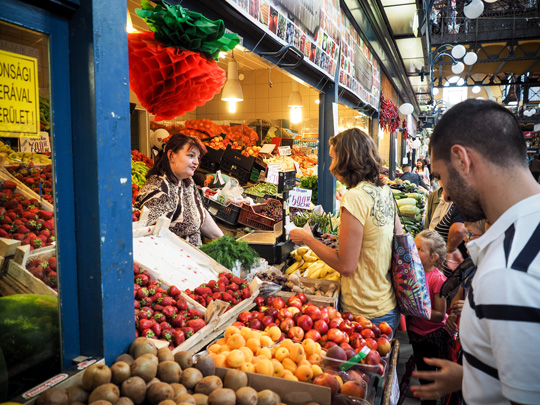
(309, 265)
(138, 173)
(15, 158)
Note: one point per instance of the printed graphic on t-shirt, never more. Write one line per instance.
(382, 212)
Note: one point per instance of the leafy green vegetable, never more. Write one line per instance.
(311, 183)
(262, 189)
(226, 251)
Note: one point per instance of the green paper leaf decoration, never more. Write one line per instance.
(179, 27)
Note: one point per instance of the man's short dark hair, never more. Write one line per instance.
(405, 166)
(484, 126)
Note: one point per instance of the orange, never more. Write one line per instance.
(304, 373)
(220, 360)
(248, 354)
(235, 358)
(265, 367)
(231, 330)
(309, 346)
(265, 351)
(278, 368)
(253, 344)
(297, 353)
(248, 367)
(275, 333)
(236, 341)
(214, 348)
(290, 365)
(281, 353)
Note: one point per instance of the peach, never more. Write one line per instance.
(355, 389)
(231, 330)
(214, 348)
(266, 341)
(265, 351)
(220, 360)
(248, 367)
(291, 377)
(222, 341)
(315, 358)
(235, 358)
(290, 365)
(248, 354)
(287, 343)
(278, 368)
(309, 346)
(265, 367)
(281, 353)
(316, 370)
(328, 380)
(236, 341)
(304, 373)
(297, 353)
(275, 333)
(224, 348)
(253, 344)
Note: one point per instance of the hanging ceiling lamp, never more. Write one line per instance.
(232, 91)
(473, 9)
(295, 103)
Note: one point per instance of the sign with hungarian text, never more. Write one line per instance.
(35, 145)
(300, 198)
(19, 96)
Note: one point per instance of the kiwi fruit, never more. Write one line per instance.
(135, 389)
(123, 401)
(200, 399)
(140, 346)
(208, 384)
(96, 375)
(53, 396)
(126, 358)
(178, 389)
(246, 396)
(76, 393)
(158, 392)
(205, 364)
(268, 397)
(106, 392)
(190, 377)
(184, 403)
(169, 371)
(184, 358)
(167, 402)
(120, 371)
(143, 367)
(185, 398)
(235, 379)
(101, 402)
(152, 381)
(151, 357)
(165, 354)
(222, 396)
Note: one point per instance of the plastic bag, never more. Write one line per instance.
(230, 193)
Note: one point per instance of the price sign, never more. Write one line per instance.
(284, 150)
(299, 198)
(267, 148)
(35, 145)
(272, 173)
(298, 170)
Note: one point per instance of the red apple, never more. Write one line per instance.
(271, 311)
(357, 327)
(376, 331)
(354, 335)
(335, 335)
(346, 326)
(385, 328)
(305, 322)
(356, 389)
(286, 324)
(328, 380)
(294, 310)
(238, 324)
(324, 314)
(335, 322)
(269, 300)
(267, 320)
(278, 303)
(383, 346)
(254, 314)
(373, 358)
(259, 300)
(313, 335)
(350, 353)
(333, 313)
(294, 301)
(284, 313)
(296, 316)
(260, 316)
(345, 346)
(371, 343)
(367, 333)
(321, 326)
(324, 339)
(262, 308)
(358, 343)
(380, 370)
(255, 324)
(313, 312)
(366, 323)
(245, 316)
(328, 345)
(296, 333)
(302, 297)
(347, 316)
(346, 338)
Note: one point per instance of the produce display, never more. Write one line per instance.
(309, 265)
(411, 206)
(272, 209)
(262, 189)
(228, 251)
(36, 178)
(311, 183)
(229, 288)
(44, 270)
(306, 162)
(162, 313)
(15, 158)
(137, 156)
(150, 376)
(22, 218)
(327, 223)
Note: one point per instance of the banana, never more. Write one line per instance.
(302, 250)
(309, 258)
(304, 265)
(315, 267)
(291, 269)
(316, 274)
(334, 277)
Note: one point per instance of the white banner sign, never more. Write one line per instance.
(300, 198)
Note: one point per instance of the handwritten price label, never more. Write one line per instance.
(299, 198)
(284, 150)
(36, 145)
(272, 173)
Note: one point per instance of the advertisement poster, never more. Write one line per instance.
(309, 25)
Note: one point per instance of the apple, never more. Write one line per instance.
(366, 323)
(357, 375)
(346, 338)
(383, 346)
(324, 314)
(347, 316)
(270, 325)
(373, 358)
(385, 328)
(259, 301)
(345, 346)
(359, 318)
(263, 308)
(367, 333)
(278, 303)
(260, 316)
(296, 316)
(380, 370)
(358, 343)
(267, 320)
(313, 335)
(328, 345)
(269, 300)
(333, 313)
(255, 324)
(328, 380)
(313, 311)
(357, 327)
(350, 353)
(376, 331)
(324, 339)
(302, 297)
(371, 343)
(245, 316)
(335, 335)
(239, 324)
(346, 326)
(305, 322)
(284, 313)
(321, 326)
(296, 333)
(356, 389)
(271, 311)
(286, 324)
(294, 301)
(293, 310)
(354, 335)
(334, 322)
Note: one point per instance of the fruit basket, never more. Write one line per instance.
(254, 215)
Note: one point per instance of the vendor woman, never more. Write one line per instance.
(171, 191)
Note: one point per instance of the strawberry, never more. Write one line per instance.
(209, 299)
(24, 229)
(144, 323)
(9, 185)
(245, 293)
(3, 233)
(146, 302)
(169, 311)
(165, 325)
(196, 324)
(200, 290)
(6, 220)
(45, 232)
(234, 287)
(227, 297)
(181, 304)
(173, 291)
(142, 293)
(141, 279)
(235, 301)
(52, 262)
(148, 333)
(6, 227)
(11, 215)
(36, 272)
(217, 296)
(137, 304)
(166, 334)
(157, 307)
(136, 267)
(194, 313)
(167, 301)
(159, 317)
(36, 243)
(211, 283)
(179, 337)
(29, 215)
(49, 225)
(52, 279)
(178, 321)
(156, 329)
(237, 280)
(46, 215)
(20, 236)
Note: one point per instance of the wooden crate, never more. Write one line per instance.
(319, 300)
(15, 279)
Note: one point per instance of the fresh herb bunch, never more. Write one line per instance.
(226, 251)
(311, 183)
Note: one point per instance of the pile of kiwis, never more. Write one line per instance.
(149, 376)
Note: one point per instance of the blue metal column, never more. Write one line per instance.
(327, 182)
(102, 177)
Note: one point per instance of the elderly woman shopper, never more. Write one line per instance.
(171, 191)
(368, 216)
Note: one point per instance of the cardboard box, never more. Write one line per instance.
(319, 300)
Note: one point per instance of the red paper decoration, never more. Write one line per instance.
(169, 81)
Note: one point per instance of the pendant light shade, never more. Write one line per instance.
(458, 51)
(458, 67)
(470, 58)
(232, 91)
(474, 9)
(406, 108)
(295, 99)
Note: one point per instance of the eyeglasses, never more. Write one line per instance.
(471, 236)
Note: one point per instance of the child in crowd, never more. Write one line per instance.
(429, 337)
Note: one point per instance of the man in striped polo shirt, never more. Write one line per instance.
(479, 152)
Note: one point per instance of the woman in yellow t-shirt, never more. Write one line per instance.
(366, 230)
